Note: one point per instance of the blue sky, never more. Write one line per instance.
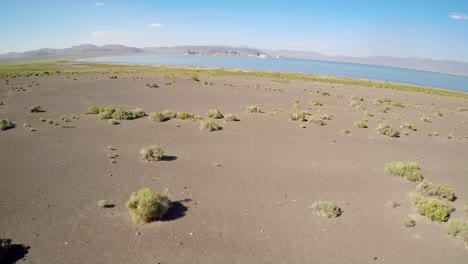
(411, 28)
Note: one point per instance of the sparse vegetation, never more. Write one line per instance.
(315, 102)
(457, 228)
(92, 110)
(65, 119)
(254, 109)
(385, 109)
(146, 205)
(104, 204)
(441, 191)
(326, 209)
(394, 204)
(432, 208)
(369, 114)
(461, 109)
(409, 222)
(152, 153)
(360, 124)
(398, 104)
(387, 130)
(215, 113)
(6, 124)
(209, 125)
(382, 100)
(360, 107)
(42, 119)
(183, 115)
(169, 114)
(153, 85)
(345, 131)
(158, 117)
(409, 126)
(357, 98)
(425, 120)
(36, 109)
(406, 169)
(113, 122)
(317, 120)
(230, 118)
(298, 116)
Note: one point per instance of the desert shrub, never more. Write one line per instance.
(359, 107)
(230, 118)
(109, 108)
(50, 121)
(195, 79)
(92, 110)
(369, 114)
(425, 120)
(360, 124)
(432, 208)
(461, 109)
(65, 118)
(209, 125)
(382, 100)
(6, 124)
(104, 204)
(42, 119)
(322, 93)
(394, 204)
(254, 109)
(121, 114)
(409, 222)
(184, 115)
(105, 115)
(457, 227)
(153, 85)
(146, 205)
(409, 126)
(215, 113)
(387, 130)
(315, 102)
(326, 209)
(385, 109)
(298, 116)
(442, 191)
(317, 120)
(169, 114)
(440, 114)
(466, 208)
(355, 97)
(35, 109)
(158, 117)
(353, 103)
(138, 113)
(406, 169)
(113, 122)
(152, 153)
(398, 104)
(345, 131)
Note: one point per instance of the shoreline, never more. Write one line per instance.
(73, 66)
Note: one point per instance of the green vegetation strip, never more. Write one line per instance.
(56, 66)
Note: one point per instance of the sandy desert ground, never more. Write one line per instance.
(254, 206)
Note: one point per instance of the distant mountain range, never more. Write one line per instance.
(441, 66)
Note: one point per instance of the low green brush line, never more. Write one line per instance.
(54, 66)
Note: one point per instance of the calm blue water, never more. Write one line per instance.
(399, 75)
